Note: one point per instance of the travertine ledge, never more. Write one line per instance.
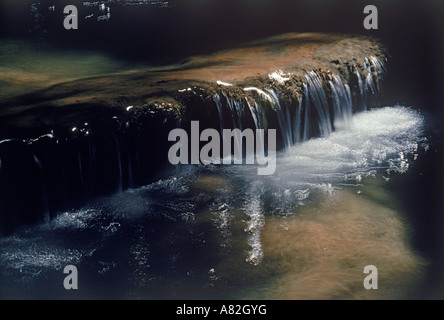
(279, 61)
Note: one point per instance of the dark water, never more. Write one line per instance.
(225, 233)
(367, 195)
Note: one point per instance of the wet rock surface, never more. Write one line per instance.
(64, 104)
(88, 137)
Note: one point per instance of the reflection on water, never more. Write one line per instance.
(224, 232)
(323, 251)
(27, 66)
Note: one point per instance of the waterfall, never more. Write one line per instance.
(319, 99)
(283, 117)
(236, 108)
(324, 103)
(342, 103)
(73, 165)
(306, 114)
(257, 113)
(361, 90)
(297, 124)
(217, 101)
(375, 70)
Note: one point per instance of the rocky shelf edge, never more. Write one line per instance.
(72, 142)
(169, 89)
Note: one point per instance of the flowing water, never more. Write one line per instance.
(224, 232)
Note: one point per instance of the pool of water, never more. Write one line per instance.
(28, 65)
(223, 232)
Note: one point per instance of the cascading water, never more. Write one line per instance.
(319, 100)
(223, 232)
(342, 103)
(375, 70)
(325, 104)
(297, 124)
(87, 165)
(283, 116)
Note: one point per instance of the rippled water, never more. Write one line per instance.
(224, 232)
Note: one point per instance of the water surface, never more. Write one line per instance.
(223, 232)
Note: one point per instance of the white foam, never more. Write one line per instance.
(377, 138)
(225, 84)
(279, 76)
